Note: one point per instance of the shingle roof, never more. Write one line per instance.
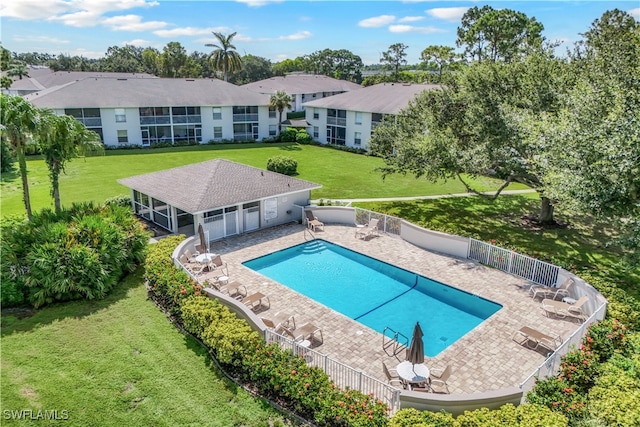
(214, 184)
(301, 83)
(153, 92)
(42, 78)
(386, 98)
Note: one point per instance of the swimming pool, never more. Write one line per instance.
(375, 293)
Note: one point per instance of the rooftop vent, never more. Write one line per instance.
(118, 79)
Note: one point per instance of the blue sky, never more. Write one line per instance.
(273, 29)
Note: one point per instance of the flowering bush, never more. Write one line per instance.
(557, 394)
(604, 338)
(579, 368)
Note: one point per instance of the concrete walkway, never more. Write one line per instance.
(437, 196)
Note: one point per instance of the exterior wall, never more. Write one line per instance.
(434, 241)
(456, 404)
(110, 127)
(351, 127)
(288, 209)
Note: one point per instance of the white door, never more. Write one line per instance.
(252, 218)
(215, 226)
(231, 223)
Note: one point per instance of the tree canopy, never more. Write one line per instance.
(224, 56)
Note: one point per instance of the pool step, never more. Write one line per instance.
(313, 247)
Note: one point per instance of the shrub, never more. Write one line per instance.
(288, 135)
(282, 164)
(604, 338)
(302, 137)
(509, 415)
(557, 394)
(6, 156)
(77, 253)
(123, 200)
(579, 368)
(615, 398)
(411, 417)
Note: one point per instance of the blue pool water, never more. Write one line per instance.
(375, 293)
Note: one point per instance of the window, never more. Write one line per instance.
(357, 139)
(358, 118)
(316, 132)
(121, 117)
(316, 115)
(272, 130)
(272, 112)
(217, 132)
(217, 113)
(123, 138)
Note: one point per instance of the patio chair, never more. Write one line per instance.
(535, 339)
(305, 332)
(312, 222)
(217, 265)
(256, 300)
(439, 384)
(279, 321)
(189, 255)
(552, 293)
(438, 373)
(234, 289)
(194, 268)
(369, 230)
(392, 379)
(562, 309)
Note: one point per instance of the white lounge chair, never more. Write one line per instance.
(562, 309)
(560, 292)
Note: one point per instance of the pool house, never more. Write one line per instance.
(225, 197)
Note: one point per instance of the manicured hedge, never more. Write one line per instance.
(275, 373)
(282, 164)
(80, 252)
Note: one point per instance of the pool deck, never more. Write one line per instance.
(484, 359)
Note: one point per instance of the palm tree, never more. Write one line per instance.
(224, 57)
(19, 122)
(61, 139)
(280, 100)
(18, 68)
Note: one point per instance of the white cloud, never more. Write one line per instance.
(69, 12)
(190, 31)
(131, 23)
(377, 21)
(635, 13)
(451, 14)
(137, 42)
(259, 3)
(411, 19)
(300, 35)
(40, 39)
(413, 29)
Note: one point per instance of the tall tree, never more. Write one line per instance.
(126, 59)
(438, 57)
(595, 138)
(172, 59)
(224, 56)
(150, 58)
(494, 35)
(18, 69)
(395, 56)
(468, 127)
(61, 138)
(19, 125)
(254, 68)
(280, 101)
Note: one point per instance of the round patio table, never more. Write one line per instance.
(414, 374)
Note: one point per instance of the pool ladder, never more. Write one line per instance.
(394, 344)
(313, 236)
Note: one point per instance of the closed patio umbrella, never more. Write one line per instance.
(203, 240)
(415, 354)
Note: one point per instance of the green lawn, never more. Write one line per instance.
(580, 242)
(342, 174)
(117, 362)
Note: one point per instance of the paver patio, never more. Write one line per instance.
(484, 359)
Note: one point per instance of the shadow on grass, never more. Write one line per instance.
(579, 242)
(75, 309)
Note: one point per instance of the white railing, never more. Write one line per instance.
(514, 263)
(386, 223)
(551, 366)
(342, 375)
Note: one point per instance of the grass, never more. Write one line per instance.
(579, 242)
(117, 362)
(342, 174)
